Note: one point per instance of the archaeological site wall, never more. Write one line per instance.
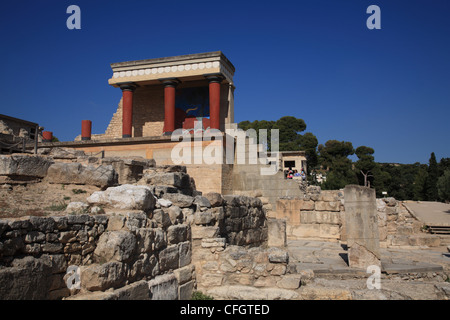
(320, 214)
(153, 236)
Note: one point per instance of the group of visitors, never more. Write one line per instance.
(290, 174)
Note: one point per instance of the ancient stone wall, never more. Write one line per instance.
(319, 214)
(128, 241)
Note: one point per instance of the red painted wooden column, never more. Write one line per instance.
(169, 105)
(214, 100)
(127, 109)
(86, 128)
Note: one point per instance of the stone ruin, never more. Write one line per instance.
(143, 231)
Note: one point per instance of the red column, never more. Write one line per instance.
(214, 101)
(169, 105)
(127, 109)
(86, 128)
(47, 136)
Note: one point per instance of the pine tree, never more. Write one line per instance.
(431, 181)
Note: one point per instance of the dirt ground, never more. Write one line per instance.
(40, 199)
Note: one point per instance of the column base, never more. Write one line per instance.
(168, 133)
(85, 138)
(126, 136)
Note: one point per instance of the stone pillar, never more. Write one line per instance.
(361, 224)
(127, 109)
(47, 136)
(276, 232)
(86, 127)
(214, 100)
(169, 104)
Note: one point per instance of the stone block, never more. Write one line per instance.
(76, 173)
(169, 258)
(102, 277)
(163, 287)
(363, 240)
(116, 245)
(136, 291)
(200, 232)
(185, 290)
(177, 233)
(214, 198)
(327, 205)
(125, 197)
(24, 165)
(289, 281)
(276, 232)
(328, 217)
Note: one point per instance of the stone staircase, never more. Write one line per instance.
(265, 177)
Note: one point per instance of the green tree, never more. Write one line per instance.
(290, 138)
(334, 157)
(431, 181)
(443, 186)
(365, 165)
(420, 193)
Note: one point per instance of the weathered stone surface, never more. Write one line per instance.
(169, 258)
(214, 198)
(76, 173)
(278, 255)
(136, 291)
(115, 245)
(179, 199)
(24, 165)
(289, 281)
(363, 239)
(328, 217)
(199, 232)
(162, 218)
(26, 279)
(125, 197)
(164, 287)
(101, 277)
(202, 202)
(276, 232)
(251, 293)
(77, 207)
(184, 253)
(177, 233)
(204, 217)
(327, 205)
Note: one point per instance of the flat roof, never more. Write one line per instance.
(29, 123)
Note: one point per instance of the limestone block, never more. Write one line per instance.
(116, 245)
(125, 197)
(213, 242)
(327, 205)
(136, 291)
(162, 218)
(276, 232)
(277, 255)
(200, 232)
(363, 238)
(204, 218)
(184, 274)
(163, 287)
(76, 173)
(215, 199)
(25, 165)
(178, 199)
(289, 281)
(185, 290)
(328, 217)
(177, 233)
(169, 258)
(101, 277)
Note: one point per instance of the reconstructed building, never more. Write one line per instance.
(161, 95)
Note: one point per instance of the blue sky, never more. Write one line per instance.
(316, 60)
